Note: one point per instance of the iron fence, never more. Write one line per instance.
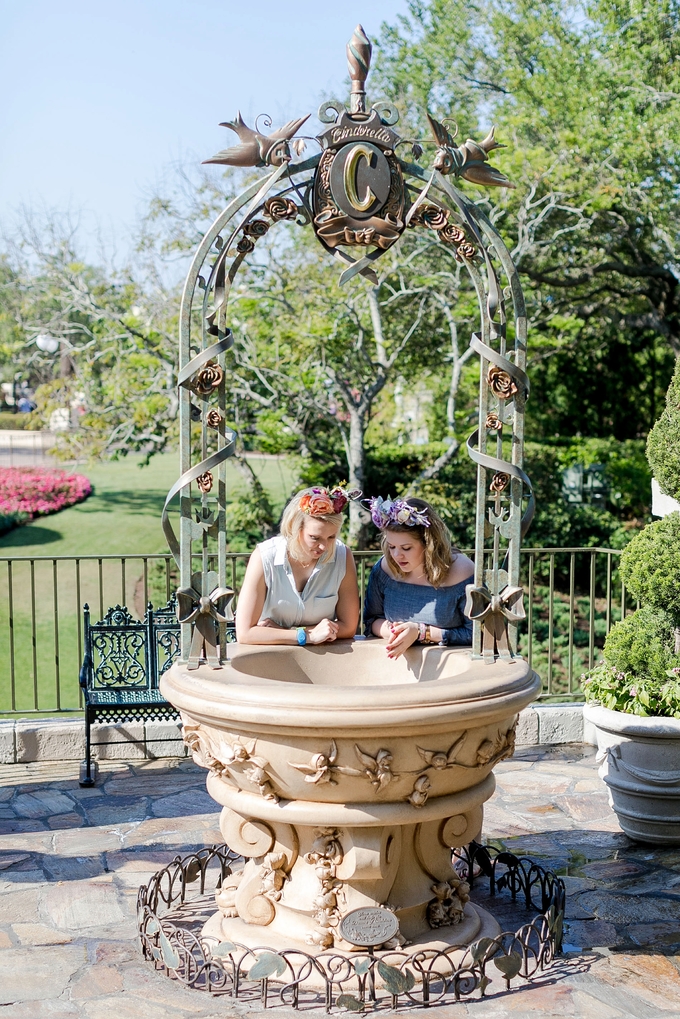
(573, 596)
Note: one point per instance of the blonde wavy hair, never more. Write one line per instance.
(292, 522)
(439, 552)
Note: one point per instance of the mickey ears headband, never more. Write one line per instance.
(396, 511)
(320, 502)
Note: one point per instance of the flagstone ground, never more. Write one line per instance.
(71, 861)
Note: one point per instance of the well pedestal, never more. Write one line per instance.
(346, 779)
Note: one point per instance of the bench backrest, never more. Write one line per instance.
(126, 654)
(123, 653)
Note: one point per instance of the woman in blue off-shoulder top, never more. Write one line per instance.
(416, 591)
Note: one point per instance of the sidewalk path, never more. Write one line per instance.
(71, 861)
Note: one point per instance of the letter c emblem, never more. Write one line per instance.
(350, 178)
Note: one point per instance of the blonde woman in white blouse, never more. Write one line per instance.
(300, 587)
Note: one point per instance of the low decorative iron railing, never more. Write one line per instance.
(573, 596)
(178, 899)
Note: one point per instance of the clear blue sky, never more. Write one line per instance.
(98, 99)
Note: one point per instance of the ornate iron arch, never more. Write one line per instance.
(356, 194)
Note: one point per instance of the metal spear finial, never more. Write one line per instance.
(359, 51)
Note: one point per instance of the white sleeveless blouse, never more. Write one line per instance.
(284, 604)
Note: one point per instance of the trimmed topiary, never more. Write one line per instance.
(641, 645)
(640, 673)
(650, 566)
(663, 444)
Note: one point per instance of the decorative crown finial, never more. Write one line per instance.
(359, 51)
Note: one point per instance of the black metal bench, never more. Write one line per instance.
(123, 662)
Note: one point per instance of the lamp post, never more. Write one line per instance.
(48, 344)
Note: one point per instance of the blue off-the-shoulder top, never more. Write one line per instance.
(398, 602)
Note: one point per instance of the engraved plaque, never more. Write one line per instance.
(369, 926)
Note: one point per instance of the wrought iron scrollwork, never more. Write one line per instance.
(359, 197)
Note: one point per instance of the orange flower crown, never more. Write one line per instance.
(322, 502)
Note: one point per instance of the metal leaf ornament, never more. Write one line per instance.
(206, 612)
(268, 965)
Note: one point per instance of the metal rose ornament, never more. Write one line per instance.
(207, 379)
(501, 383)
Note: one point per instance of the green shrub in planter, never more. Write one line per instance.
(650, 566)
(641, 646)
(621, 692)
(640, 673)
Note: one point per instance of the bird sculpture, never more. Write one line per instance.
(470, 160)
(257, 149)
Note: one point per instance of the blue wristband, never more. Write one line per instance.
(301, 636)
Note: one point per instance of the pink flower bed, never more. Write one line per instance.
(35, 491)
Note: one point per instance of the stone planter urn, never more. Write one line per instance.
(345, 780)
(640, 764)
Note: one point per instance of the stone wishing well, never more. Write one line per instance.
(348, 780)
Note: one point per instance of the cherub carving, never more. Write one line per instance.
(439, 759)
(491, 751)
(448, 905)
(320, 768)
(257, 774)
(274, 875)
(378, 769)
(238, 751)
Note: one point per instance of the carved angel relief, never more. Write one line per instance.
(326, 855)
(378, 769)
(322, 767)
(488, 753)
(448, 905)
(229, 761)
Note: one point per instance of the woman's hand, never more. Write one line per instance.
(403, 635)
(326, 630)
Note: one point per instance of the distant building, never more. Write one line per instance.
(412, 405)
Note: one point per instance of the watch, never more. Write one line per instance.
(301, 636)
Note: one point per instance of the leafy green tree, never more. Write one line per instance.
(321, 357)
(116, 361)
(586, 96)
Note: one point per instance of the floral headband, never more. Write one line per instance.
(395, 511)
(321, 502)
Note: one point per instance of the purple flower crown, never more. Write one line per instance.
(395, 511)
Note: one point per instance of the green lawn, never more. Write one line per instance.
(123, 515)
(40, 658)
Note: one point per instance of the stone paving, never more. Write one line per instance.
(71, 861)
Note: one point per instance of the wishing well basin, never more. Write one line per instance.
(346, 779)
